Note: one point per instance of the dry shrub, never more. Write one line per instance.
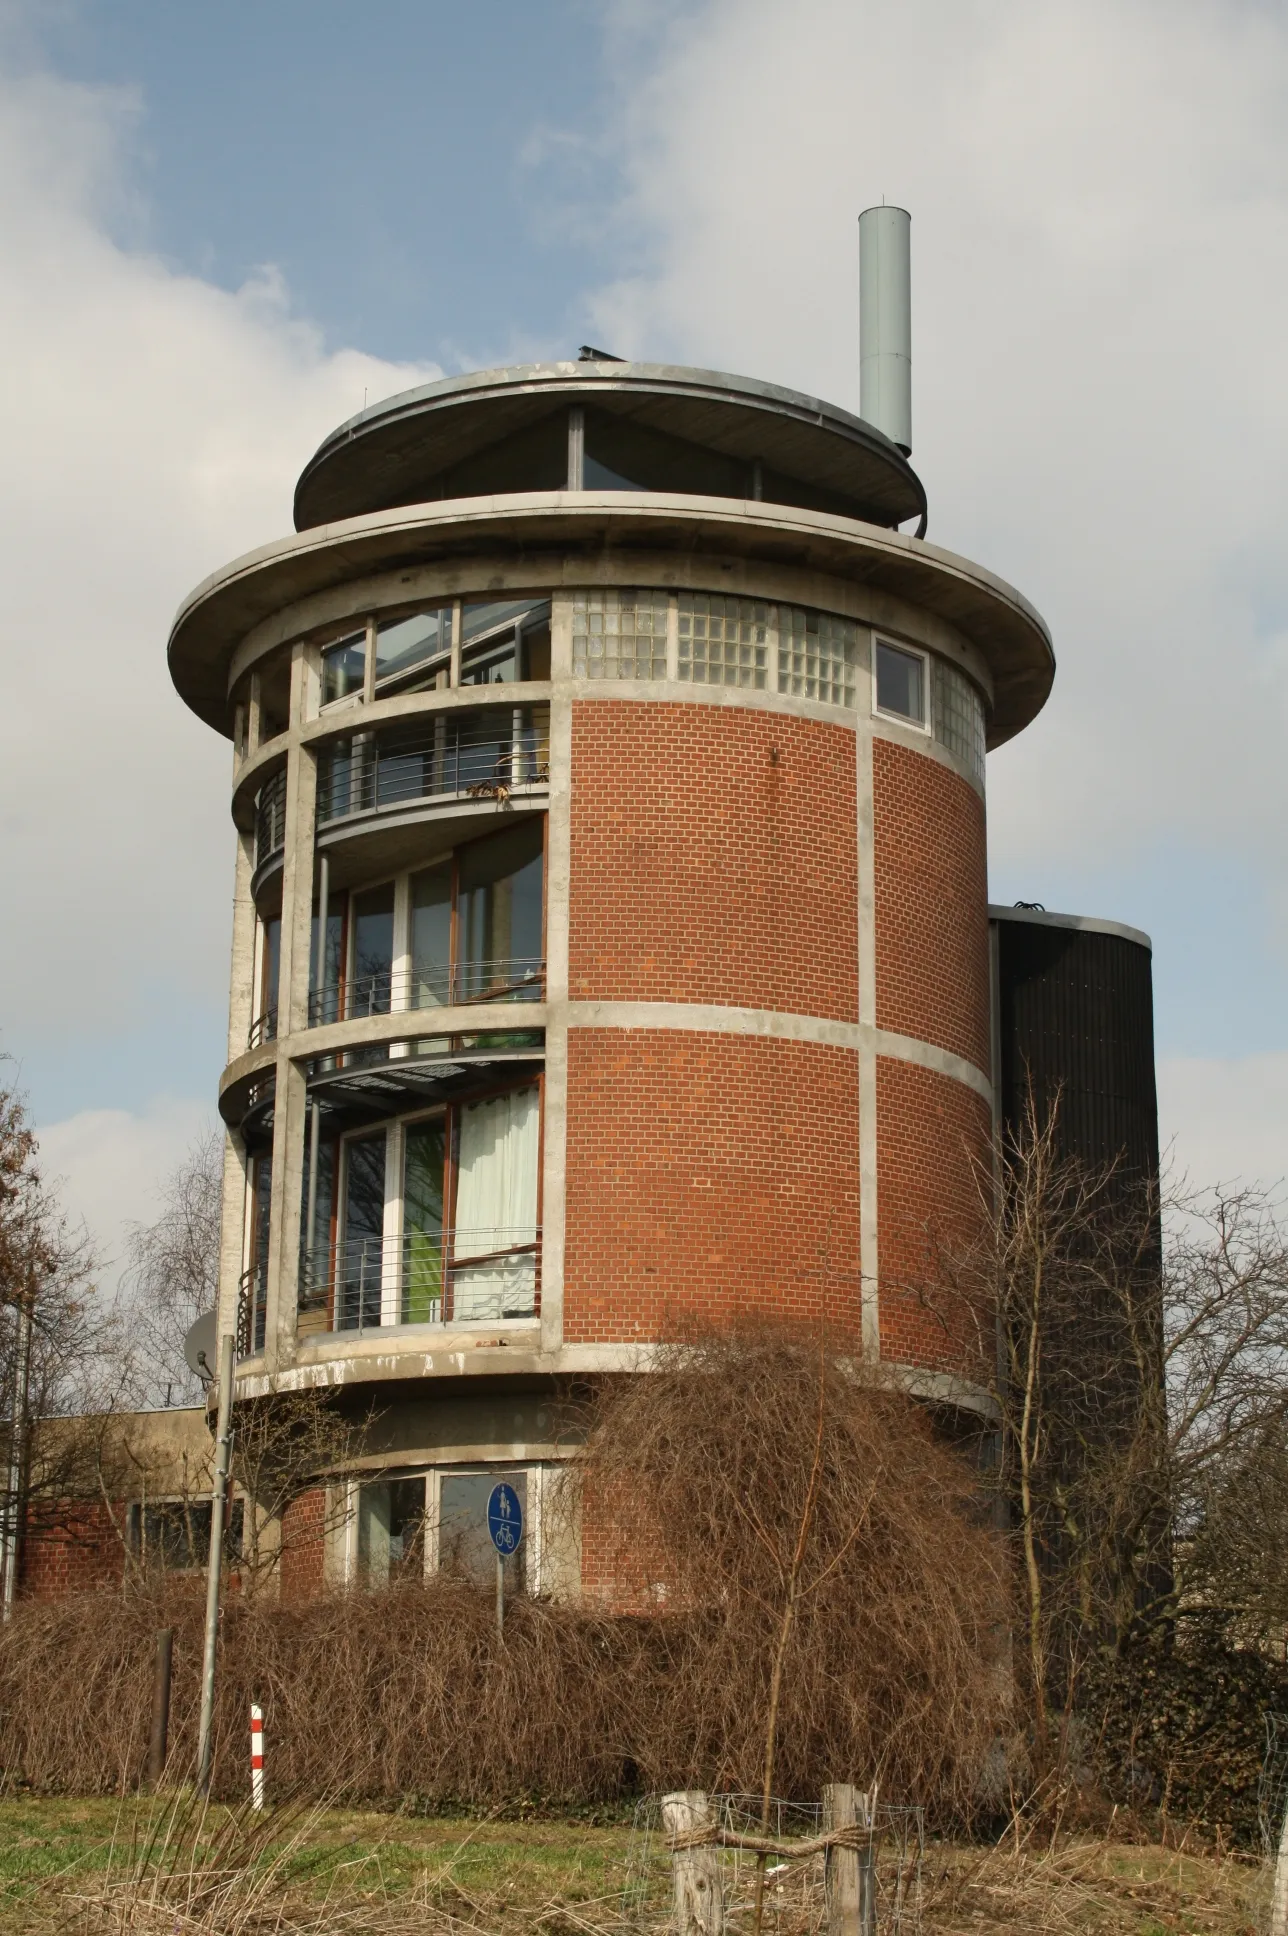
(796, 1515)
(385, 1696)
(889, 1660)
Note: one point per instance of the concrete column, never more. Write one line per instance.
(554, 1155)
(241, 972)
(293, 1003)
(232, 1230)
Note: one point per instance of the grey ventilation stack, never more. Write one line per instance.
(885, 323)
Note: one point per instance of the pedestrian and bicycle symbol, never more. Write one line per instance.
(504, 1519)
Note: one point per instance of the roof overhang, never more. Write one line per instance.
(388, 454)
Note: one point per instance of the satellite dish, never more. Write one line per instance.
(199, 1347)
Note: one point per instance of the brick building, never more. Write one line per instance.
(610, 932)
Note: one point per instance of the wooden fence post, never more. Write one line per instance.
(849, 1882)
(695, 1873)
(160, 1705)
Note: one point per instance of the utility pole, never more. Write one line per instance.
(17, 1449)
(218, 1503)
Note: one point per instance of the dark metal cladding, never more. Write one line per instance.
(1075, 1014)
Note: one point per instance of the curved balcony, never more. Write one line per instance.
(425, 1277)
(270, 818)
(488, 754)
(428, 985)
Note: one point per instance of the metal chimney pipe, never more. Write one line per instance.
(885, 323)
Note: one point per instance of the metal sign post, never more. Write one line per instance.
(218, 1500)
(505, 1530)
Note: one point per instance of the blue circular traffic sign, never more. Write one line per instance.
(504, 1519)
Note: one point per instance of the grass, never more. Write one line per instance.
(161, 1867)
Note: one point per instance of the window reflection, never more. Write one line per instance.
(498, 914)
(344, 667)
(464, 1544)
(901, 683)
(420, 644)
(506, 641)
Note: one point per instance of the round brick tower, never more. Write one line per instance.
(610, 931)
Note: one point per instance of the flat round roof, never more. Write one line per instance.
(545, 531)
(393, 453)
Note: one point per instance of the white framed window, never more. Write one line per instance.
(901, 684)
(405, 1526)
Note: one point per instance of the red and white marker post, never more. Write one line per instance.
(257, 1757)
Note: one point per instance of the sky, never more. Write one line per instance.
(223, 229)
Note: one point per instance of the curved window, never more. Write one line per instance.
(818, 655)
(723, 641)
(344, 667)
(958, 716)
(484, 755)
(428, 1220)
(411, 652)
(619, 634)
(468, 928)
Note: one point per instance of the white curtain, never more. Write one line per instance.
(496, 1205)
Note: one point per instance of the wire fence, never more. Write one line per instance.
(795, 1899)
(1272, 1786)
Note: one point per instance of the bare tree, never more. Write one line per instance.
(286, 1447)
(172, 1274)
(1140, 1386)
(830, 1595)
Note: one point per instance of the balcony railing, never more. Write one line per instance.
(430, 984)
(464, 1276)
(252, 1309)
(486, 754)
(262, 1029)
(270, 818)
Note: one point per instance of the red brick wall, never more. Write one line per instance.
(303, 1571)
(704, 869)
(69, 1548)
(708, 1174)
(931, 904)
(928, 1129)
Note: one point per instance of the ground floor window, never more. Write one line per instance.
(411, 1525)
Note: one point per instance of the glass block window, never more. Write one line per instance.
(619, 635)
(817, 655)
(723, 641)
(958, 718)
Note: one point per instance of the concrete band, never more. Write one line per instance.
(334, 1362)
(698, 1018)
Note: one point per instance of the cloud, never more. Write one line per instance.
(154, 425)
(1226, 1121)
(110, 1164)
(1099, 192)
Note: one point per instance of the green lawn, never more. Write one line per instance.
(390, 1875)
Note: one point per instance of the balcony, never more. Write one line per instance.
(488, 754)
(422, 1278)
(270, 818)
(252, 1309)
(429, 985)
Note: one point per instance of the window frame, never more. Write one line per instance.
(925, 725)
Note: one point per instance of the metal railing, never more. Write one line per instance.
(262, 1029)
(431, 984)
(270, 817)
(465, 1276)
(252, 1309)
(485, 754)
